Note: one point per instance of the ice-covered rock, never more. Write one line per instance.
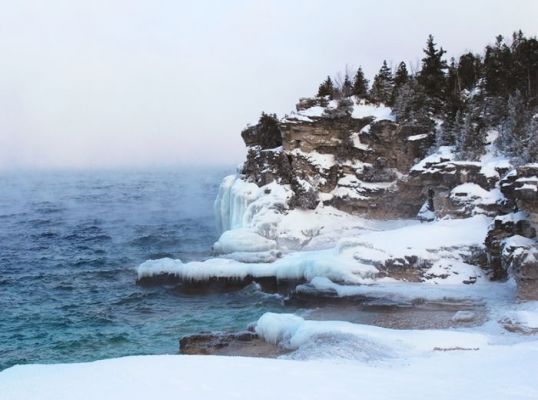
(293, 332)
(242, 240)
(242, 204)
(464, 316)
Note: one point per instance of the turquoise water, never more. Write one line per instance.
(69, 243)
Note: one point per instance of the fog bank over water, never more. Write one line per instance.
(149, 83)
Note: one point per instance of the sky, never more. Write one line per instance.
(143, 83)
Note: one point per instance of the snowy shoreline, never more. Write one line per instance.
(446, 364)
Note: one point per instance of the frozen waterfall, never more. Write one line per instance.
(232, 201)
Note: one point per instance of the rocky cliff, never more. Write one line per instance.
(356, 158)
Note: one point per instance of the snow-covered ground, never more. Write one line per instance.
(345, 361)
(359, 109)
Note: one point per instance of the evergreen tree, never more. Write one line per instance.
(497, 67)
(511, 140)
(347, 87)
(452, 128)
(401, 76)
(326, 88)
(524, 73)
(408, 101)
(468, 71)
(360, 85)
(471, 138)
(531, 148)
(447, 133)
(454, 100)
(432, 74)
(383, 85)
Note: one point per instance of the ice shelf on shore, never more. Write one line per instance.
(441, 245)
(292, 332)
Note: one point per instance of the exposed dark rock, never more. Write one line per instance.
(518, 258)
(521, 187)
(244, 344)
(215, 285)
(308, 102)
(265, 166)
(502, 228)
(365, 167)
(517, 327)
(265, 134)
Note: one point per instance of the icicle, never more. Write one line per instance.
(233, 199)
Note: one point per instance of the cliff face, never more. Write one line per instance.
(356, 158)
(350, 160)
(511, 241)
(360, 161)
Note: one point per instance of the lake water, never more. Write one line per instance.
(69, 245)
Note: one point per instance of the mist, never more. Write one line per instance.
(137, 83)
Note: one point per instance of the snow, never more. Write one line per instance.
(493, 372)
(323, 227)
(425, 214)
(417, 137)
(379, 112)
(528, 318)
(517, 241)
(528, 186)
(421, 239)
(366, 129)
(464, 316)
(355, 138)
(443, 154)
(345, 192)
(349, 186)
(513, 217)
(242, 240)
(316, 111)
(475, 194)
(409, 292)
(292, 332)
(323, 161)
(256, 257)
(326, 359)
(491, 161)
(360, 110)
(353, 260)
(294, 266)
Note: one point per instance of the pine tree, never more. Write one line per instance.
(326, 88)
(401, 76)
(454, 100)
(531, 148)
(347, 87)
(468, 71)
(524, 67)
(497, 67)
(452, 128)
(383, 85)
(432, 74)
(408, 101)
(360, 85)
(512, 133)
(471, 139)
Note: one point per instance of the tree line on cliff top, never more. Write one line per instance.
(460, 99)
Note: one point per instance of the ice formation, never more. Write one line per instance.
(242, 204)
